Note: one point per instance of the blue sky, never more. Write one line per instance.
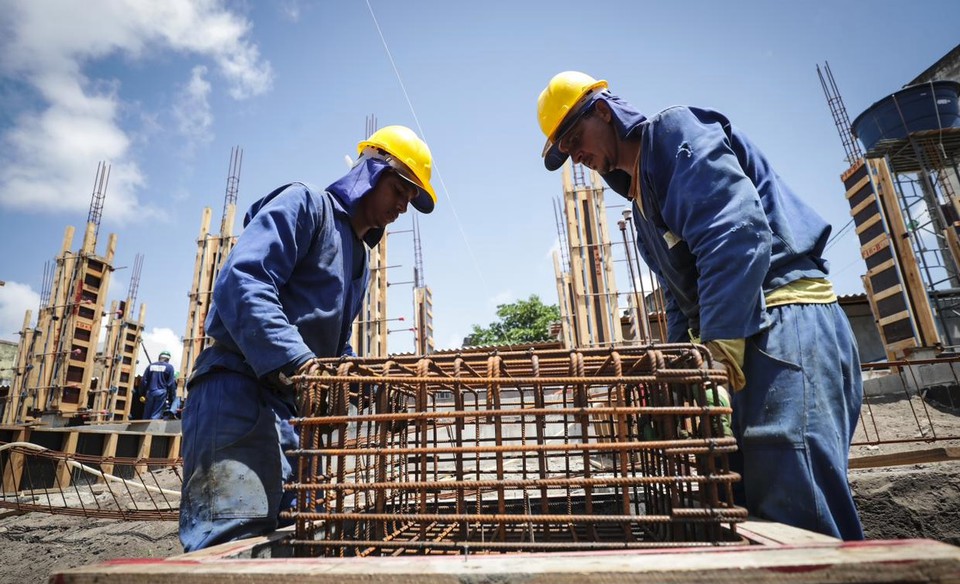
(163, 90)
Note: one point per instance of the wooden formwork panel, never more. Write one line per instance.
(781, 555)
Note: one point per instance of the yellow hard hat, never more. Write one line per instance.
(559, 100)
(400, 147)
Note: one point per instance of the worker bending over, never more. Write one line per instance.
(288, 293)
(740, 260)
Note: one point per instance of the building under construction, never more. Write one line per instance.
(58, 373)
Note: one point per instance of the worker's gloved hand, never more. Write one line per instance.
(143, 399)
(730, 353)
(721, 399)
(311, 367)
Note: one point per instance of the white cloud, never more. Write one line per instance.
(49, 156)
(290, 10)
(15, 300)
(192, 110)
(156, 340)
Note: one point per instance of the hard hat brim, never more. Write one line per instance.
(552, 157)
(426, 198)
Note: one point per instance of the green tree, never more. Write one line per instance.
(523, 321)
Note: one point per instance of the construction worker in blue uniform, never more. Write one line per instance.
(740, 260)
(158, 387)
(287, 294)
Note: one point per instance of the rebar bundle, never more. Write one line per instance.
(491, 452)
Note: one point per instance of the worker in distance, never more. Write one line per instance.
(739, 257)
(287, 294)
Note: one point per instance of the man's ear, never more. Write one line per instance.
(603, 110)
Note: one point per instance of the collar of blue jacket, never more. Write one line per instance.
(629, 124)
(354, 185)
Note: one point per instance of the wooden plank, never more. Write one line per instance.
(874, 245)
(64, 472)
(864, 203)
(109, 451)
(144, 451)
(868, 224)
(173, 451)
(851, 171)
(953, 243)
(772, 533)
(908, 457)
(845, 562)
(881, 267)
(13, 470)
(896, 317)
(857, 186)
(244, 548)
(898, 289)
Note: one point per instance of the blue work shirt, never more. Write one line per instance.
(716, 224)
(295, 280)
(159, 377)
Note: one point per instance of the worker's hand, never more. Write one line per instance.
(312, 368)
(730, 354)
(143, 399)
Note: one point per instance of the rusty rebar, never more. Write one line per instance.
(542, 447)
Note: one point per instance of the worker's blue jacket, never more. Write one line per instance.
(159, 378)
(718, 226)
(159, 386)
(295, 280)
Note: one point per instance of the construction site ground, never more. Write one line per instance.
(895, 502)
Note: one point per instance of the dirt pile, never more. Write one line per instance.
(35, 544)
(921, 501)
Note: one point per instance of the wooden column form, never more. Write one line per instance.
(369, 338)
(199, 296)
(120, 359)
(591, 263)
(212, 252)
(913, 283)
(423, 320)
(42, 353)
(567, 332)
(882, 233)
(21, 370)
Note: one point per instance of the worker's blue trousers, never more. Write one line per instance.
(795, 419)
(234, 435)
(155, 405)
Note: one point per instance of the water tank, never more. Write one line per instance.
(928, 106)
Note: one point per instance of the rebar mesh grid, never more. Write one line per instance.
(514, 451)
(37, 479)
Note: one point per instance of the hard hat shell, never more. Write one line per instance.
(559, 101)
(165, 354)
(405, 147)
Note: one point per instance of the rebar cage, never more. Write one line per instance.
(492, 452)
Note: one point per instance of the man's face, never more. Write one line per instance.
(592, 141)
(388, 199)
